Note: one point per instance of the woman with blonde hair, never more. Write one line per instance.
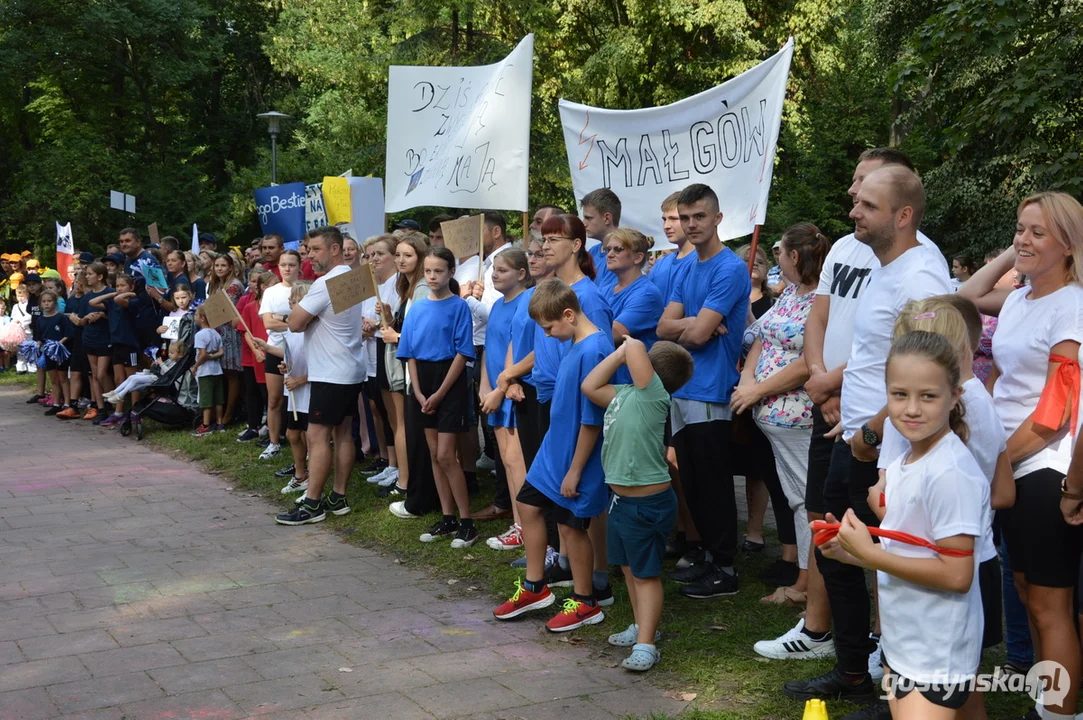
(1035, 358)
(223, 276)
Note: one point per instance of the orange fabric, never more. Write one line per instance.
(1062, 391)
(825, 532)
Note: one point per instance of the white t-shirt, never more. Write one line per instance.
(911, 276)
(333, 341)
(1026, 331)
(931, 635)
(987, 441)
(844, 276)
(276, 301)
(389, 296)
(298, 368)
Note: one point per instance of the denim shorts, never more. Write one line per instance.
(637, 530)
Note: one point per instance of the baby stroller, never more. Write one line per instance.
(170, 400)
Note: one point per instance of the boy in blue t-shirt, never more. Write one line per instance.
(566, 475)
(208, 372)
(644, 507)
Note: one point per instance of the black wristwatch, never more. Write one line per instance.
(869, 436)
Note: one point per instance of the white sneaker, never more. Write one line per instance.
(270, 451)
(263, 431)
(796, 645)
(294, 486)
(382, 475)
(398, 509)
(485, 463)
(391, 479)
(876, 663)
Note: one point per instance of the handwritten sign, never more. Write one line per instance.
(464, 236)
(724, 137)
(315, 213)
(336, 199)
(460, 136)
(352, 288)
(219, 309)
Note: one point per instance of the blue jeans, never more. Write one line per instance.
(1017, 638)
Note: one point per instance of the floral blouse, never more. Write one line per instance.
(983, 356)
(782, 332)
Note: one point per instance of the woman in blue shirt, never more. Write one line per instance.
(636, 302)
(96, 340)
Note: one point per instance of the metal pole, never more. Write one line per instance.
(274, 158)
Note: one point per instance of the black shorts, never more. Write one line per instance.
(952, 696)
(331, 403)
(78, 362)
(453, 413)
(819, 462)
(270, 365)
(992, 591)
(97, 351)
(381, 366)
(301, 423)
(148, 337)
(54, 365)
(125, 355)
(530, 495)
(1041, 546)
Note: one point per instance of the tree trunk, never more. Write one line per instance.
(454, 33)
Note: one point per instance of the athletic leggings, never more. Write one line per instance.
(255, 398)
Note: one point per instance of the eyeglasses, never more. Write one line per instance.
(531, 255)
(615, 250)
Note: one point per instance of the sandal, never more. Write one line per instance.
(642, 659)
(628, 637)
(786, 596)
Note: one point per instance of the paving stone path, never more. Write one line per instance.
(133, 585)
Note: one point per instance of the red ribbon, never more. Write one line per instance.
(1062, 391)
(825, 532)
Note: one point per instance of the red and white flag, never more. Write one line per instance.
(65, 250)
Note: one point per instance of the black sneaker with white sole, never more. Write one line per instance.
(303, 514)
(286, 471)
(716, 582)
(392, 490)
(604, 596)
(336, 504)
(691, 573)
(441, 529)
(465, 537)
(556, 576)
(832, 685)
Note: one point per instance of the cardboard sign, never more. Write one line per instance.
(219, 309)
(152, 230)
(352, 288)
(465, 236)
(172, 327)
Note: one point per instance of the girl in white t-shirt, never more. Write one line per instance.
(958, 320)
(273, 309)
(930, 604)
(1035, 354)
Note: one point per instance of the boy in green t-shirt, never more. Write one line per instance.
(644, 507)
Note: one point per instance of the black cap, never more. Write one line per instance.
(32, 278)
(114, 258)
(86, 258)
(208, 238)
(407, 225)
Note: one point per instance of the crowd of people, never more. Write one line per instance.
(921, 425)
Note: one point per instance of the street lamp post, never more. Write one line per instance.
(273, 119)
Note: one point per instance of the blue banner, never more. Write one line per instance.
(281, 210)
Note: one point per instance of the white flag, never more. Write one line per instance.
(195, 240)
(64, 242)
(724, 137)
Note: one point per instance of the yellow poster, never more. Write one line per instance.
(336, 199)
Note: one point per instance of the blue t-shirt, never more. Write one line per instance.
(604, 279)
(145, 311)
(522, 332)
(75, 305)
(548, 352)
(639, 308)
(497, 339)
(121, 325)
(56, 327)
(720, 284)
(96, 334)
(571, 409)
(436, 330)
(199, 289)
(144, 257)
(668, 271)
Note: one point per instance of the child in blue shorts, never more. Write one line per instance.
(643, 507)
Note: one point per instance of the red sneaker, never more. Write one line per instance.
(574, 615)
(524, 601)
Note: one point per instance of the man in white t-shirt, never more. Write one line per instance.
(888, 206)
(336, 370)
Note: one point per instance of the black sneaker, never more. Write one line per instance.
(832, 685)
(715, 582)
(879, 710)
(391, 490)
(33, 399)
(248, 434)
(303, 514)
(780, 573)
(441, 529)
(465, 537)
(378, 464)
(693, 555)
(53, 409)
(336, 506)
(286, 471)
(690, 574)
(604, 596)
(556, 576)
